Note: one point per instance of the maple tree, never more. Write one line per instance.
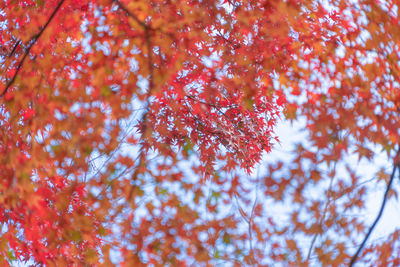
(129, 130)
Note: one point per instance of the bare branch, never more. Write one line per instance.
(385, 196)
(14, 48)
(130, 14)
(322, 219)
(32, 43)
(147, 29)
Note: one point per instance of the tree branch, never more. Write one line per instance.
(130, 14)
(14, 48)
(388, 187)
(32, 43)
(142, 155)
(147, 29)
(322, 219)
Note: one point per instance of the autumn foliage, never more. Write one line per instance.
(130, 131)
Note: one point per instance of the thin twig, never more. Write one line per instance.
(322, 219)
(314, 239)
(142, 155)
(388, 187)
(130, 14)
(218, 108)
(14, 48)
(147, 29)
(32, 43)
(251, 220)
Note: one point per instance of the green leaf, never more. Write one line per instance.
(11, 255)
(163, 192)
(226, 238)
(76, 236)
(39, 3)
(187, 147)
(88, 150)
(105, 91)
(215, 194)
(216, 254)
(102, 231)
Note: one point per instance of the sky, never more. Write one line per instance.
(289, 134)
